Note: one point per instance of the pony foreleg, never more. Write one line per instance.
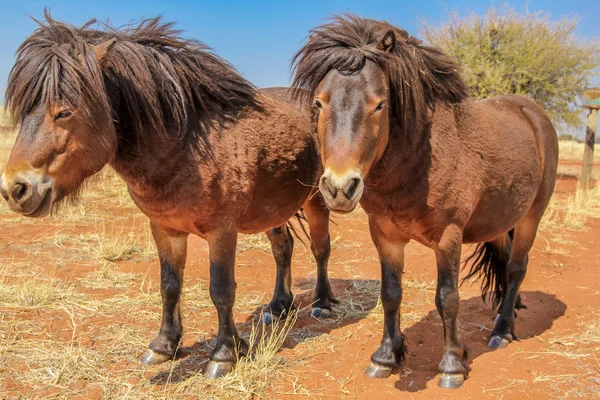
(282, 245)
(222, 247)
(391, 351)
(453, 368)
(172, 252)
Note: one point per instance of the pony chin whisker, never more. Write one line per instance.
(307, 185)
(318, 191)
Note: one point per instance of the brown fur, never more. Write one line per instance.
(437, 167)
(202, 152)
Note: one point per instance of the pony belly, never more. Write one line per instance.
(480, 234)
(494, 218)
(268, 213)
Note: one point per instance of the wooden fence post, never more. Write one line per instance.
(588, 153)
(591, 99)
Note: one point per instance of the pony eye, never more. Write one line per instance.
(317, 103)
(63, 114)
(380, 106)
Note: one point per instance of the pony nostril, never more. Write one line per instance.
(332, 191)
(19, 191)
(352, 188)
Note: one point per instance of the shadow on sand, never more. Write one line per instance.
(424, 338)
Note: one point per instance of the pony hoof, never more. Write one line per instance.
(266, 319)
(451, 381)
(150, 357)
(498, 342)
(320, 312)
(378, 371)
(217, 369)
(497, 318)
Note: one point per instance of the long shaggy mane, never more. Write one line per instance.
(163, 83)
(418, 75)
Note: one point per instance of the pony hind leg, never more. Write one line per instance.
(504, 252)
(282, 245)
(489, 263)
(172, 254)
(317, 215)
(525, 232)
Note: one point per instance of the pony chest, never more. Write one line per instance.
(405, 225)
(173, 215)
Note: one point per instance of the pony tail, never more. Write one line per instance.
(491, 269)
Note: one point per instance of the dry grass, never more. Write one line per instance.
(36, 292)
(257, 241)
(255, 374)
(571, 150)
(108, 277)
(5, 118)
(581, 347)
(48, 363)
(110, 243)
(573, 212)
(6, 142)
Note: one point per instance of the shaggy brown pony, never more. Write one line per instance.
(398, 133)
(201, 151)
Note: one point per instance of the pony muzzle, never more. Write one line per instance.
(341, 192)
(29, 194)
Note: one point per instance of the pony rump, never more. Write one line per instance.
(346, 43)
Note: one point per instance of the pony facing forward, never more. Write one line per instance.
(398, 133)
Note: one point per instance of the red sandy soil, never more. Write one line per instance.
(561, 291)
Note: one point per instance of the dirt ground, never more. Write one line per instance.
(79, 302)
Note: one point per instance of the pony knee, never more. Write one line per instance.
(321, 249)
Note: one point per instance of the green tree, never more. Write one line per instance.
(528, 54)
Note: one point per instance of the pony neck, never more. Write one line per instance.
(150, 162)
(404, 163)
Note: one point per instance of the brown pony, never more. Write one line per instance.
(200, 150)
(398, 133)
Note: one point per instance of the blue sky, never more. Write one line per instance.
(258, 37)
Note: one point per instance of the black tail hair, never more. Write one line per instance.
(491, 269)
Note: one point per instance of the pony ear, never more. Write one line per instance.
(101, 51)
(387, 41)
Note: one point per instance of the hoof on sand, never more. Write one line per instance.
(320, 312)
(378, 371)
(266, 319)
(451, 381)
(499, 342)
(150, 357)
(217, 369)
